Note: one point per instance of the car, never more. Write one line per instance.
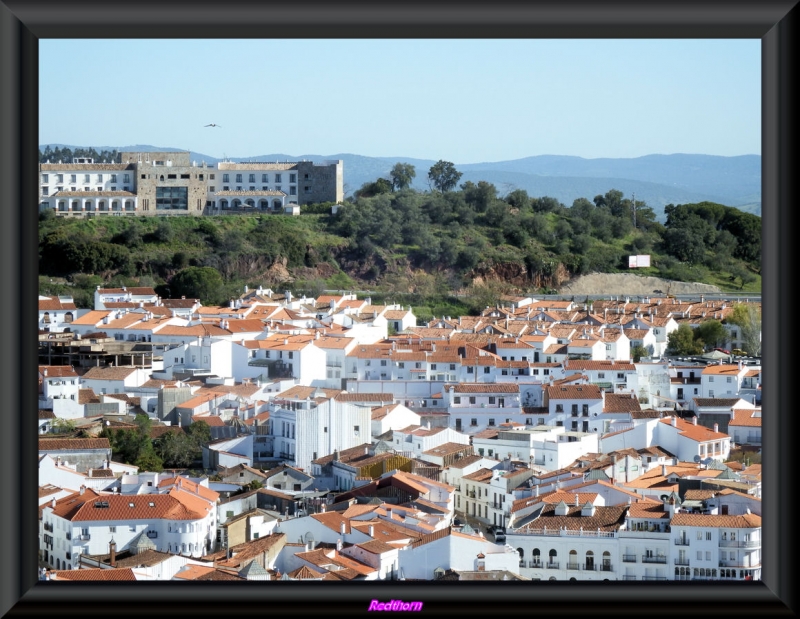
(457, 522)
(725, 350)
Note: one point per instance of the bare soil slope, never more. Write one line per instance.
(630, 284)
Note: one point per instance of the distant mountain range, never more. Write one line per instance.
(657, 180)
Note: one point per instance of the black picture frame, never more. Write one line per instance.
(24, 22)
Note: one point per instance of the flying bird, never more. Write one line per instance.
(213, 125)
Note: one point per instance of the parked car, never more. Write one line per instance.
(726, 351)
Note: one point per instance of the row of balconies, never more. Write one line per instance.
(727, 543)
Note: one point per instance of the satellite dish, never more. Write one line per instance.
(308, 537)
(697, 458)
(708, 461)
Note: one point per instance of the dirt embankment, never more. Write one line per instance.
(631, 284)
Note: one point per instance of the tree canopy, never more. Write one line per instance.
(444, 176)
(402, 174)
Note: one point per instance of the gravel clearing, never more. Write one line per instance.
(631, 284)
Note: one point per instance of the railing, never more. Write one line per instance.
(681, 561)
(654, 577)
(589, 567)
(682, 541)
(629, 558)
(497, 505)
(471, 494)
(572, 566)
(84, 538)
(48, 526)
(553, 565)
(568, 533)
(69, 555)
(753, 438)
(724, 543)
(286, 455)
(736, 563)
(627, 577)
(606, 567)
(534, 563)
(152, 534)
(659, 559)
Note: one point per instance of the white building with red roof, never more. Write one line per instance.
(57, 313)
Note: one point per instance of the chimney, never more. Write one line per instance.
(53, 503)
(694, 420)
(339, 545)
(112, 552)
(663, 470)
(371, 530)
(674, 422)
(577, 501)
(83, 488)
(716, 427)
(322, 508)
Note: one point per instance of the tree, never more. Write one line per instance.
(711, 332)
(402, 174)
(444, 176)
(637, 352)
(204, 283)
(747, 316)
(682, 342)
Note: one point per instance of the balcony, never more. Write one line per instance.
(69, 555)
(682, 541)
(471, 494)
(286, 455)
(627, 577)
(725, 543)
(553, 565)
(738, 563)
(683, 561)
(152, 534)
(654, 577)
(572, 566)
(589, 567)
(83, 538)
(606, 567)
(48, 526)
(659, 559)
(535, 563)
(629, 558)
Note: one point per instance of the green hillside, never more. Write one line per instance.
(450, 251)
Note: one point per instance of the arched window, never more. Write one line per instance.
(102, 206)
(589, 560)
(46, 317)
(223, 204)
(90, 206)
(607, 561)
(521, 552)
(76, 205)
(250, 202)
(276, 205)
(572, 562)
(115, 205)
(263, 204)
(183, 547)
(162, 177)
(129, 205)
(62, 206)
(237, 203)
(68, 317)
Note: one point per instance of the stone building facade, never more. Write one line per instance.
(167, 183)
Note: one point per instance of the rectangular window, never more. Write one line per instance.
(472, 399)
(112, 529)
(226, 178)
(473, 421)
(44, 191)
(601, 375)
(457, 400)
(251, 178)
(127, 178)
(277, 178)
(293, 178)
(45, 178)
(711, 379)
(491, 422)
(699, 555)
(172, 198)
(559, 408)
(708, 536)
(238, 178)
(265, 178)
(172, 176)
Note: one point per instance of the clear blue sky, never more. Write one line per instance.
(465, 101)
